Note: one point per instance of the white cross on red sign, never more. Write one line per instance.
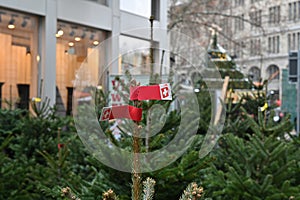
(165, 91)
(105, 115)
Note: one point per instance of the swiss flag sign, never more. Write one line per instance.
(151, 92)
(106, 114)
(165, 91)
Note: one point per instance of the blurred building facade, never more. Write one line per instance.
(259, 34)
(197, 21)
(43, 44)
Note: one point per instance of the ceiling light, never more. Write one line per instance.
(59, 32)
(11, 24)
(96, 42)
(71, 44)
(77, 39)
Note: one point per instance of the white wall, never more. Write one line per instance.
(85, 12)
(30, 6)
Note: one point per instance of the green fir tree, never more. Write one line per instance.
(260, 162)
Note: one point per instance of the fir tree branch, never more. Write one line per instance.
(109, 195)
(148, 189)
(192, 192)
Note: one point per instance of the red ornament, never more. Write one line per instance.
(60, 145)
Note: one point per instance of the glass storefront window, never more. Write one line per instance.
(18, 63)
(76, 46)
(138, 7)
(135, 55)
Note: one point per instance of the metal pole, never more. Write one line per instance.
(161, 64)
(298, 93)
(151, 51)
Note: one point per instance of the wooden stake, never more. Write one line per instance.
(222, 99)
(136, 165)
(136, 176)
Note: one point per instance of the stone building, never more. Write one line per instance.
(259, 34)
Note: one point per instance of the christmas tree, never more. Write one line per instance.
(259, 162)
(170, 180)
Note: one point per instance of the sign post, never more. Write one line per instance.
(298, 93)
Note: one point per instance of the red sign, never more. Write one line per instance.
(151, 92)
(106, 113)
(125, 111)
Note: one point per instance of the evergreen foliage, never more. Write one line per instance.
(40, 154)
(148, 189)
(192, 192)
(175, 177)
(41, 157)
(259, 162)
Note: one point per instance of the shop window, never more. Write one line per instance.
(76, 46)
(18, 66)
(135, 55)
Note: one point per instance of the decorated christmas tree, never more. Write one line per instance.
(174, 178)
